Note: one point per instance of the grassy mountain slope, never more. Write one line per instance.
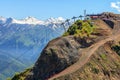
(11, 65)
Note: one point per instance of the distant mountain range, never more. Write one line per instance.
(21, 41)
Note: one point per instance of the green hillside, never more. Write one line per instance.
(11, 65)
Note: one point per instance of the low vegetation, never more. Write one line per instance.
(81, 29)
(116, 48)
(21, 76)
(103, 56)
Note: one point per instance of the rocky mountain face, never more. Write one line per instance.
(58, 55)
(76, 58)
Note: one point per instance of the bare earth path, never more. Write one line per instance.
(86, 54)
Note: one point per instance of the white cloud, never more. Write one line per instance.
(116, 5)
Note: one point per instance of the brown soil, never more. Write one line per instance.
(86, 53)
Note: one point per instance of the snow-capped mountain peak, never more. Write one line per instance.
(28, 20)
(2, 20)
(31, 20)
(61, 18)
(10, 20)
(55, 20)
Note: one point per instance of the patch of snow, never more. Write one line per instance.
(2, 20)
(29, 20)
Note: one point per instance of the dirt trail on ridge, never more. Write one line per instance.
(86, 53)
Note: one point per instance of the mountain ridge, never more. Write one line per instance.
(31, 20)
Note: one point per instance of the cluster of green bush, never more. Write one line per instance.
(20, 76)
(116, 48)
(81, 29)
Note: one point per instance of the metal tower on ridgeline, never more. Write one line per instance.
(84, 13)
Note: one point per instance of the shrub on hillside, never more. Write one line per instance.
(116, 48)
(81, 29)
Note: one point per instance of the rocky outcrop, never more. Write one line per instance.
(110, 16)
(58, 55)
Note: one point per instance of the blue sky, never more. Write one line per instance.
(43, 9)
